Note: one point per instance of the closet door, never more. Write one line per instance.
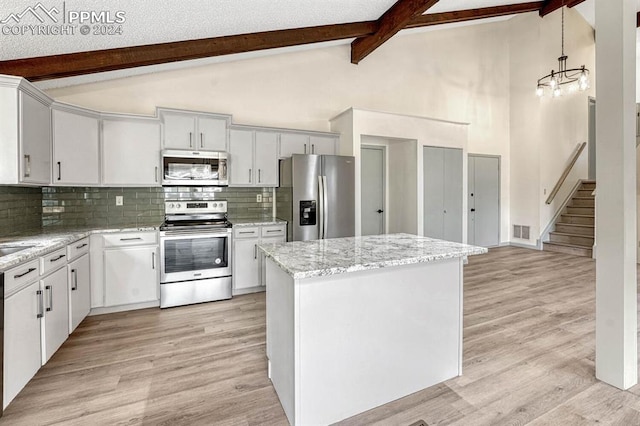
(453, 195)
(484, 201)
(433, 166)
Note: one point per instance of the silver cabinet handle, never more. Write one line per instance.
(305, 148)
(58, 258)
(81, 245)
(190, 139)
(74, 272)
(274, 230)
(259, 175)
(50, 290)
(255, 251)
(59, 170)
(27, 165)
(249, 175)
(40, 304)
(313, 148)
(24, 273)
(155, 174)
(201, 140)
(153, 260)
(130, 239)
(246, 232)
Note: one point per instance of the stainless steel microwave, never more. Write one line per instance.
(206, 168)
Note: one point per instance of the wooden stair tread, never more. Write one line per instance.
(579, 225)
(583, 198)
(568, 234)
(569, 245)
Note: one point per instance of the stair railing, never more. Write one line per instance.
(567, 170)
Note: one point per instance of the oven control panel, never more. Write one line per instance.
(192, 207)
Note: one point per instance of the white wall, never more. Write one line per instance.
(545, 132)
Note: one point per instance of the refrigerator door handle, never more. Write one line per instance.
(320, 208)
(325, 206)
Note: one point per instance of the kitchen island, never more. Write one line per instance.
(354, 323)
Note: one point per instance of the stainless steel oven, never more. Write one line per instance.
(194, 168)
(195, 253)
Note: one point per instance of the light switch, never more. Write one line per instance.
(259, 198)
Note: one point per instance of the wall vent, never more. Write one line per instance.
(525, 232)
(517, 231)
(521, 231)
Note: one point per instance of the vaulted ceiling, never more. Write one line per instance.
(159, 32)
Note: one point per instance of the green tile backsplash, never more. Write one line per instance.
(20, 210)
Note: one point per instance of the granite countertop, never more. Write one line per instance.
(256, 221)
(42, 242)
(306, 259)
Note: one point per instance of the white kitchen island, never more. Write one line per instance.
(354, 323)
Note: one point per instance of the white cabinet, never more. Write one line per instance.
(248, 262)
(25, 133)
(130, 268)
(301, 143)
(79, 290)
(131, 151)
(185, 130)
(22, 356)
(253, 158)
(55, 327)
(76, 153)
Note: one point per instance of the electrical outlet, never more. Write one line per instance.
(119, 201)
(259, 198)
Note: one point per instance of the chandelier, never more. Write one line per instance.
(563, 80)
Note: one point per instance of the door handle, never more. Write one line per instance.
(74, 272)
(59, 171)
(153, 260)
(40, 304)
(473, 210)
(27, 165)
(379, 211)
(190, 139)
(201, 140)
(58, 258)
(259, 175)
(255, 251)
(23, 274)
(155, 174)
(50, 290)
(249, 175)
(305, 148)
(313, 148)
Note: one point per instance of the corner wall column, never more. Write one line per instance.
(616, 286)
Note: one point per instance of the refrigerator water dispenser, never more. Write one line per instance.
(307, 213)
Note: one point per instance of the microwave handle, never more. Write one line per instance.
(223, 170)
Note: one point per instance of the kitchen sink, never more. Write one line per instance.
(7, 250)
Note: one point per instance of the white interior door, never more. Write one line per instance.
(484, 201)
(453, 195)
(433, 166)
(372, 190)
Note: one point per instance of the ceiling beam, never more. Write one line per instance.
(72, 64)
(471, 14)
(552, 5)
(392, 21)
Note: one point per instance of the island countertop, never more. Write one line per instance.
(306, 259)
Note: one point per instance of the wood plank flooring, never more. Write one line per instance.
(528, 359)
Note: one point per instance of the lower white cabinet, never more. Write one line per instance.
(248, 261)
(79, 291)
(55, 328)
(131, 275)
(22, 356)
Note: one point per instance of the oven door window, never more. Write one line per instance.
(195, 254)
(190, 168)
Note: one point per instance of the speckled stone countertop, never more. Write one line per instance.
(42, 242)
(256, 221)
(306, 259)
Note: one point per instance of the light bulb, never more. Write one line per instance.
(553, 83)
(584, 85)
(540, 91)
(557, 92)
(573, 87)
(584, 77)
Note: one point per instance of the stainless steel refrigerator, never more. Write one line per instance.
(316, 196)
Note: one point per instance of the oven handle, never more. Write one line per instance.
(176, 235)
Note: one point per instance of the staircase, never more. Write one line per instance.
(574, 229)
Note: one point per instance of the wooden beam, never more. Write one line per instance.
(72, 64)
(552, 5)
(471, 14)
(392, 21)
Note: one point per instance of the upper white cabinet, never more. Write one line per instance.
(76, 153)
(131, 151)
(253, 158)
(302, 143)
(198, 132)
(25, 133)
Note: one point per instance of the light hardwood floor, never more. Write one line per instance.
(528, 359)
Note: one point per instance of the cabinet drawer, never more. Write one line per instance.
(22, 274)
(53, 260)
(247, 232)
(78, 248)
(273, 231)
(130, 239)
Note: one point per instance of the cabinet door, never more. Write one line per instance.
(79, 291)
(75, 149)
(294, 143)
(131, 152)
(179, 131)
(241, 158)
(22, 357)
(131, 275)
(35, 140)
(266, 154)
(246, 272)
(263, 260)
(212, 134)
(56, 313)
(323, 145)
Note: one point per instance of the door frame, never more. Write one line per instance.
(499, 157)
(591, 139)
(385, 166)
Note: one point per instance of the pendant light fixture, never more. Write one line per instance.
(564, 80)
